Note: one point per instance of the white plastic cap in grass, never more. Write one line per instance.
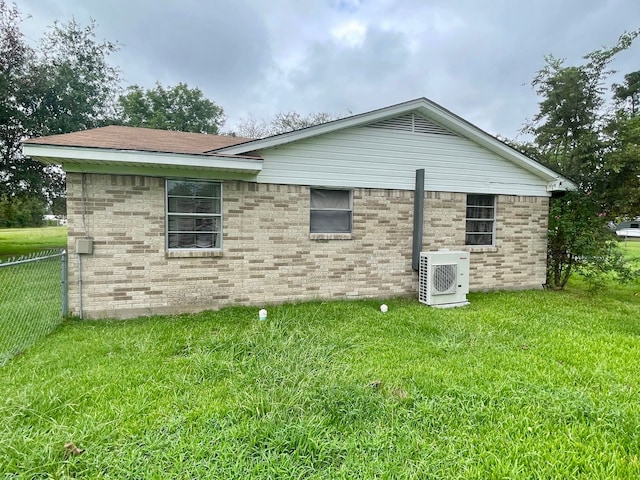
(384, 308)
(262, 314)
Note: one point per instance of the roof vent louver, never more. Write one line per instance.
(413, 123)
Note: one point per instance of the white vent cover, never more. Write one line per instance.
(444, 278)
(411, 122)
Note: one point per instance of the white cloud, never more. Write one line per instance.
(351, 33)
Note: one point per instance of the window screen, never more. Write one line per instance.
(481, 210)
(331, 211)
(194, 214)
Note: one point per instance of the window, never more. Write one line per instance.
(194, 214)
(330, 211)
(481, 215)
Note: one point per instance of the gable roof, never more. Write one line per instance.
(140, 139)
(134, 149)
(426, 108)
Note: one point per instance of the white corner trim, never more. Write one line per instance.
(561, 185)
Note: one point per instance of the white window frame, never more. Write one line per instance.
(201, 215)
(350, 209)
(492, 220)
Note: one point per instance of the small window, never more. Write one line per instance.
(481, 215)
(194, 214)
(331, 211)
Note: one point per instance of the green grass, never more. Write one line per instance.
(21, 241)
(535, 384)
(30, 304)
(30, 294)
(631, 249)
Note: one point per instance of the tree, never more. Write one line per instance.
(251, 127)
(619, 179)
(15, 104)
(78, 85)
(21, 212)
(570, 135)
(628, 94)
(64, 85)
(177, 108)
(621, 165)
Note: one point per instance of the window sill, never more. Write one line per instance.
(330, 236)
(192, 253)
(480, 249)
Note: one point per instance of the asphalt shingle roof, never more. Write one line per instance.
(141, 139)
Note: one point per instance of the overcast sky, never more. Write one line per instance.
(260, 57)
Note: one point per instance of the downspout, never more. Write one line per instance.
(418, 219)
(80, 284)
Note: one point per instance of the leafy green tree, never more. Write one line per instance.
(579, 241)
(15, 103)
(619, 178)
(77, 84)
(569, 135)
(628, 94)
(21, 212)
(620, 173)
(177, 108)
(65, 84)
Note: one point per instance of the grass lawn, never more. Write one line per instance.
(30, 304)
(535, 384)
(631, 249)
(20, 241)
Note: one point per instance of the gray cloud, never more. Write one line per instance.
(260, 58)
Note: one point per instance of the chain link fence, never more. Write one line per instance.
(33, 299)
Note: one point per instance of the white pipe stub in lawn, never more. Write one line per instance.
(384, 308)
(262, 314)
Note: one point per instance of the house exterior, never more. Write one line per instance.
(629, 229)
(167, 222)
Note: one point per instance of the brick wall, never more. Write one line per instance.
(268, 255)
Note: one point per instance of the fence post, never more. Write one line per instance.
(63, 292)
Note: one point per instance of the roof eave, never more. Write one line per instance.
(56, 154)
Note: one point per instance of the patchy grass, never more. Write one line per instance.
(631, 249)
(532, 384)
(21, 241)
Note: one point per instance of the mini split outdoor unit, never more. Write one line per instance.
(444, 278)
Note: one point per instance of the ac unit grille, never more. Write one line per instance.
(423, 284)
(444, 279)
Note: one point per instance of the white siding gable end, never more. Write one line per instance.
(386, 153)
(387, 143)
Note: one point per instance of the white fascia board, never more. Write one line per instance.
(58, 154)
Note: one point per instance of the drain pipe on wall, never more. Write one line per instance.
(418, 219)
(80, 285)
(84, 246)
